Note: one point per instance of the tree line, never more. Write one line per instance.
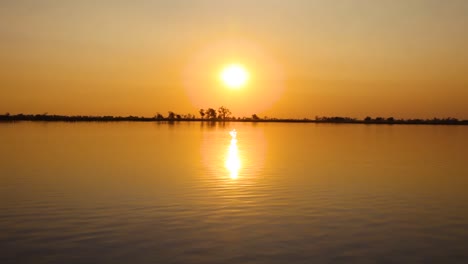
(224, 114)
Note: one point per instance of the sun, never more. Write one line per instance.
(234, 76)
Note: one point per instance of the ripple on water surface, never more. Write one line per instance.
(190, 193)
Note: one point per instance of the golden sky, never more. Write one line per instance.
(401, 58)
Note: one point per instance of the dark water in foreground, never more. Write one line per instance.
(187, 193)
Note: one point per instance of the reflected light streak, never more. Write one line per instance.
(233, 162)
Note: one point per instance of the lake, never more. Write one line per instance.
(190, 193)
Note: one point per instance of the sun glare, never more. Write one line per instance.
(234, 76)
(233, 162)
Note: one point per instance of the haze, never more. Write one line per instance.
(349, 58)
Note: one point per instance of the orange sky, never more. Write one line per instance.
(306, 58)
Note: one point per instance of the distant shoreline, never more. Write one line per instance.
(318, 120)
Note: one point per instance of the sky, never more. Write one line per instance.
(305, 58)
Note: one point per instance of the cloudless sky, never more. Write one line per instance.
(401, 58)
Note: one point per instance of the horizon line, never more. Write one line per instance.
(172, 117)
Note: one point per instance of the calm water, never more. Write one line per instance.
(188, 193)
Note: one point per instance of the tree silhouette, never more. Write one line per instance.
(223, 113)
(171, 115)
(255, 117)
(158, 116)
(202, 113)
(211, 113)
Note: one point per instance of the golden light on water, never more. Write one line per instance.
(234, 76)
(233, 156)
(233, 161)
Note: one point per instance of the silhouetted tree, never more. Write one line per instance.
(223, 113)
(255, 117)
(368, 119)
(391, 119)
(211, 113)
(202, 113)
(171, 115)
(158, 116)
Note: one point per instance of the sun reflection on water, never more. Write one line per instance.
(232, 157)
(233, 162)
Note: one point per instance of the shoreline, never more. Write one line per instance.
(333, 120)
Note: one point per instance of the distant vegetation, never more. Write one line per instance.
(223, 114)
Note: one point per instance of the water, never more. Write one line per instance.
(189, 193)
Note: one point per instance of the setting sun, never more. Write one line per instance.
(234, 76)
